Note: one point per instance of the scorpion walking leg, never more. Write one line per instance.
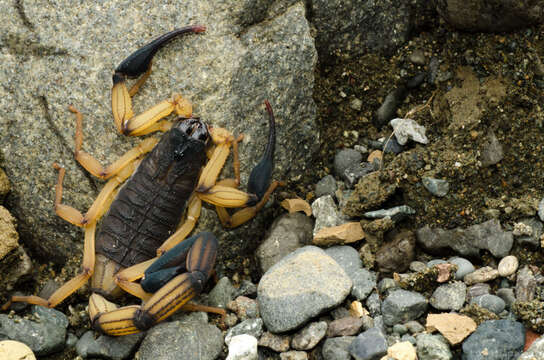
(100, 204)
(93, 166)
(72, 285)
(135, 65)
(196, 256)
(194, 206)
(222, 194)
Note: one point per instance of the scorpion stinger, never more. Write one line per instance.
(259, 183)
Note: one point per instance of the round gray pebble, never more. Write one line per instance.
(464, 267)
(490, 302)
(344, 159)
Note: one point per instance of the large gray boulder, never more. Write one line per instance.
(60, 53)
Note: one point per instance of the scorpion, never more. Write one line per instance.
(148, 190)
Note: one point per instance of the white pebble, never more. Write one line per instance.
(15, 350)
(508, 265)
(243, 347)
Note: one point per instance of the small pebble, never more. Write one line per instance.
(369, 345)
(432, 347)
(253, 327)
(309, 336)
(408, 129)
(337, 348)
(356, 104)
(15, 350)
(345, 327)
(417, 266)
(326, 186)
(437, 187)
(278, 343)
(400, 329)
(464, 267)
(344, 159)
(294, 355)
(508, 265)
(244, 307)
(243, 347)
(414, 327)
(396, 213)
(483, 274)
(402, 351)
(508, 296)
(449, 296)
(490, 302)
(417, 57)
(477, 290)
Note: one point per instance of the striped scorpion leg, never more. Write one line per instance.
(177, 277)
(139, 64)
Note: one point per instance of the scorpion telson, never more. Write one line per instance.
(141, 246)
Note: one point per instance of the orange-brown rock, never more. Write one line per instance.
(341, 234)
(454, 327)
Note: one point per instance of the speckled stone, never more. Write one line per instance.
(63, 53)
(44, 332)
(487, 235)
(299, 287)
(189, 338)
(286, 234)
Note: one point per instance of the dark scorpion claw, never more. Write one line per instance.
(139, 61)
(195, 255)
(259, 179)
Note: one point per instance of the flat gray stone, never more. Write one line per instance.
(495, 338)
(302, 285)
(402, 305)
(108, 347)
(337, 348)
(55, 58)
(45, 333)
(286, 234)
(369, 345)
(188, 340)
(449, 296)
(488, 235)
(432, 347)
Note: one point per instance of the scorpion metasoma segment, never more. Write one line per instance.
(141, 246)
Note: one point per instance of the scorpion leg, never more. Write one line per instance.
(194, 206)
(72, 285)
(93, 166)
(222, 193)
(259, 183)
(138, 64)
(100, 204)
(197, 259)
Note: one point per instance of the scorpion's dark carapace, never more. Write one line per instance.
(148, 208)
